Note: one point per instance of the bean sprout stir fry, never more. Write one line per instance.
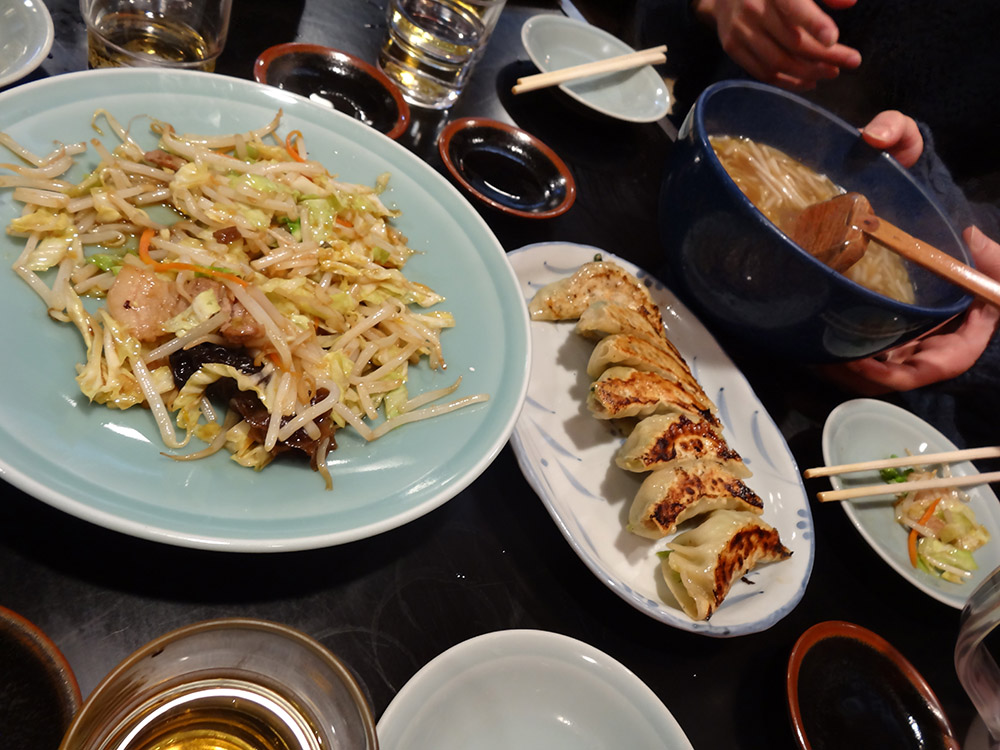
(233, 270)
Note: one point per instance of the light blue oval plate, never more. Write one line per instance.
(527, 689)
(554, 42)
(867, 429)
(105, 466)
(568, 458)
(26, 36)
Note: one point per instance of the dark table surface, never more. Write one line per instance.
(491, 558)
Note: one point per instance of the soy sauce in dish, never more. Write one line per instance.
(853, 696)
(508, 179)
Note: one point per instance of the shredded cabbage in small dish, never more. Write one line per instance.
(943, 531)
(234, 270)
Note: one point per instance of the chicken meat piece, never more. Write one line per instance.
(142, 302)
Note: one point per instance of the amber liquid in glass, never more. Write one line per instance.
(215, 714)
(134, 39)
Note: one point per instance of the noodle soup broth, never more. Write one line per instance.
(781, 187)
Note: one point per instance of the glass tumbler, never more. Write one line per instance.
(178, 34)
(976, 667)
(238, 684)
(432, 46)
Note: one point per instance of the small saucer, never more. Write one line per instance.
(26, 36)
(337, 80)
(38, 692)
(848, 687)
(507, 168)
(553, 42)
(864, 429)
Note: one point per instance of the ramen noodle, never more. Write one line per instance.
(782, 187)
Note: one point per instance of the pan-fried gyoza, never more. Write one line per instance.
(643, 384)
(701, 565)
(676, 440)
(672, 495)
(622, 392)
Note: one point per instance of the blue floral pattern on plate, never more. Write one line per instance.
(567, 457)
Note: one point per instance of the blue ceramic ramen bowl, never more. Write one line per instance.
(747, 279)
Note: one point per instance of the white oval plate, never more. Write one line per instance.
(868, 429)
(568, 458)
(105, 465)
(554, 42)
(26, 36)
(527, 689)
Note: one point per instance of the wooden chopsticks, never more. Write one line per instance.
(901, 487)
(890, 488)
(651, 56)
(948, 457)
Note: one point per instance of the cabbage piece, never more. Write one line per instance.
(939, 557)
(49, 252)
(105, 378)
(202, 307)
(106, 211)
(191, 175)
(40, 220)
(244, 450)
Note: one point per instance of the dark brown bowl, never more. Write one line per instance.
(38, 693)
(346, 83)
(849, 688)
(507, 168)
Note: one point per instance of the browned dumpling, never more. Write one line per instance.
(567, 298)
(677, 439)
(672, 495)
(701, 565)
(605, 318)
(627, 350)
(623, 392)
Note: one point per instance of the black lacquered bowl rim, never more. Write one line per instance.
(268, 56)
(464, 123)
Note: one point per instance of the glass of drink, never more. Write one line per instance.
(975, 664)
(232, 684)
(180, 34)
(432, 46)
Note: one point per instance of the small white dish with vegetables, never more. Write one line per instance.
(963, 546)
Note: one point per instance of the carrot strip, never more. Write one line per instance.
(344, 222)
(291, 145)
(175, 266)
(912, 541)
(146, 237)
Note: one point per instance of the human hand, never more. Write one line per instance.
(897, 134)
(936, 356)
(787, 43)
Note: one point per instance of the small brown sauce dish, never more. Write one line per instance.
(507, 168)
(849, 688)
(338, 80)
(38, 693)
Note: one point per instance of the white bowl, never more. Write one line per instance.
(527, 689)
